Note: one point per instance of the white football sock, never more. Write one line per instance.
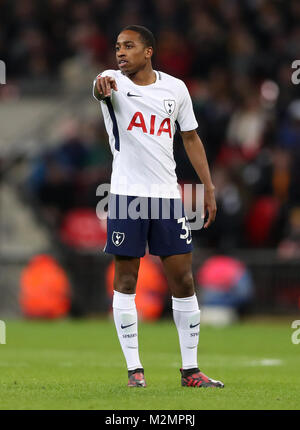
(186, 315)
(126, 322)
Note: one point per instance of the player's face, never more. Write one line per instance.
(131, 53)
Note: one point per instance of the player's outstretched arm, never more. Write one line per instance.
(197, 156)
(103, 87)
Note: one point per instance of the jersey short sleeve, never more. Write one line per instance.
(186, 117)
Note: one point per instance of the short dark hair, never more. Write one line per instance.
(145, 34)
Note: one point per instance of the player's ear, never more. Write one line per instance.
(148, 52)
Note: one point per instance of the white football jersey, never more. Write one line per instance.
(141, 122)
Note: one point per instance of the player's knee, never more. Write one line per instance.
(126, 284)
(185, 284)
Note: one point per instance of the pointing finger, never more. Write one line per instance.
(113, 84)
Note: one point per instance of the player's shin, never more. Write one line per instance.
(186, 315)
(126, 322)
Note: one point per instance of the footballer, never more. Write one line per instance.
(142, 108)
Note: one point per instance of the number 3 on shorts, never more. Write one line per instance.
(187, 235)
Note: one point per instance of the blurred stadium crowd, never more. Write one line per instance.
(235, 56)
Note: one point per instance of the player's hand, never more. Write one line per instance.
(210, 206)
(104, 86)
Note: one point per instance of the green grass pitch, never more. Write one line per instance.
(79, 365)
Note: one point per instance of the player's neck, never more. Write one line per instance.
(146, 76)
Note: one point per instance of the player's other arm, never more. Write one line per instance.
(197, 156)
(103, 86)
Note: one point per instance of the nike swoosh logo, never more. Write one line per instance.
(132, 95)
(192, 326)
(125, 326)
